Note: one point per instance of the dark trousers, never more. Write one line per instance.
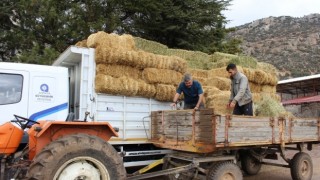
(192, 106)
(243, 110)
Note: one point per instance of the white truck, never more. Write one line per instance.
(65, 91)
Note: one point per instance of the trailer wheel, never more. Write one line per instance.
(173, 163)
(77, 156)
(224, 170)
(249, 164)
(301, 167)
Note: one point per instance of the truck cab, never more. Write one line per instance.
(34, 91)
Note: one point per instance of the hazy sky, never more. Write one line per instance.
(245, 11)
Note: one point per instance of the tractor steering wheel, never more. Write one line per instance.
(20, 121)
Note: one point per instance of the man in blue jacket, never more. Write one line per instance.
(241, 97)
(192, 91)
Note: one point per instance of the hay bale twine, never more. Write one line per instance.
(165, 92)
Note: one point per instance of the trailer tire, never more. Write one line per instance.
(179, 176)
(77, 156)
(225, 170)
(301, 167)
(249, 164)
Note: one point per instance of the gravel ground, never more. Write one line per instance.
(280, 173)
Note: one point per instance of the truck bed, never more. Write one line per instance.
(204, 132)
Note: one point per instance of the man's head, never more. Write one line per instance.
(232, 69)
(187, 79)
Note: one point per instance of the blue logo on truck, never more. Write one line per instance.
(44, 88)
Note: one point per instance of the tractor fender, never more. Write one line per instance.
(44, 133)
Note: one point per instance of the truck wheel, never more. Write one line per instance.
(301, 167)
(249, 164)
(177, 176)
(78, 156)
(224, 170)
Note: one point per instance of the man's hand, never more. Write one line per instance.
(173, 104)
(195, 108)
(232, 104)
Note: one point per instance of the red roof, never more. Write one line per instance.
(301, 100)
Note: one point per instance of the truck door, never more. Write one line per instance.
(14, 87)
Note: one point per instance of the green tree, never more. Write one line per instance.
(36, 31)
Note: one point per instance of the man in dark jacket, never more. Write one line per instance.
(192, 91)
(241, 97)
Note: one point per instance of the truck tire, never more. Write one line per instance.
(77, 157)
(301, 167)
(177, 176)
(249, 164)
(224, 170)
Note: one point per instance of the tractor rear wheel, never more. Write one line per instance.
(78, 156)
(301, 167)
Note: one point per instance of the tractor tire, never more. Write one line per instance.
(224, 170)
(301, 167)
(249, 164)
(78, 156)
(177, 176)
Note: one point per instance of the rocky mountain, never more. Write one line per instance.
(291, 44)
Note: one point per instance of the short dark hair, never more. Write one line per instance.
(231, 66)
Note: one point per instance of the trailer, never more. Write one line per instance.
(220, 146)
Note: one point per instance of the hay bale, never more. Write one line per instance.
(219, 103)
(116, 86)
(113, 41)
(82, 43)
(221, 83)
(198, 73)
(269, 107)
(268, 89)
(150, 46)
(118, 71)
(202, 81)
(255, 88)
(210, 90)
(267, 68)
(161, 76)
(223, 59)
(165, 92)
(146, 90)
(218, 72)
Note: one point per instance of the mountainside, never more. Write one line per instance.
(291, 44)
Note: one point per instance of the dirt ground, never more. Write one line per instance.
(280, 173)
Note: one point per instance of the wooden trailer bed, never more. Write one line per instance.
(205, 132)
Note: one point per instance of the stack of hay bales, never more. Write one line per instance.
(122, 69)
(133, 66)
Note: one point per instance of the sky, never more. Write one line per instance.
(245, 11)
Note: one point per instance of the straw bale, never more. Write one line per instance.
(114, 41)
(117, 86)
(161, 76)
(118, 71)
(255, 88)
(221, 83)
(218, 72)
(210, 90)
(202, 81)
(219, 102)
(150, 46)
(269, 107)
(268, 89)
(267, 67)
(82, 43)
(146, 90)
(198, 73)
(165, 92)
